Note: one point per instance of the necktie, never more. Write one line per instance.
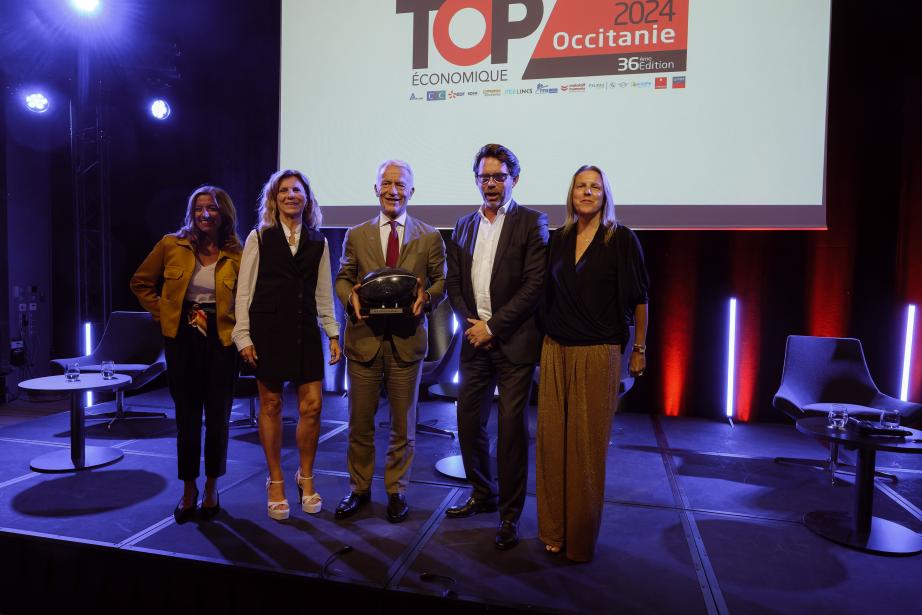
(393, 246)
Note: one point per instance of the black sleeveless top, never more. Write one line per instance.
(283, 312)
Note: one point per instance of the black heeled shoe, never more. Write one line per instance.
(181, 515)
(210, 512)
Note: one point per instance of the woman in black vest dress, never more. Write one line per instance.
(284, 291)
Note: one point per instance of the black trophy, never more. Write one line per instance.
(388, 292)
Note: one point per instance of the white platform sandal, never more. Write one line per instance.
(310, 503)
(277, 510)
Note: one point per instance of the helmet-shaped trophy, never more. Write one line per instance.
(388, 292)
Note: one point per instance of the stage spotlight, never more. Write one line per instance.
(160, 109)
(36, 102)
(86, 7)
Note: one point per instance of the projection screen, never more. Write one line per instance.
(703, 113)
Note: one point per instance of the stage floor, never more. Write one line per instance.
(698, 518)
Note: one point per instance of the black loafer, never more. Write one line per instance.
(470, 508)
(397, 509)
(351, 504)
(507, 536)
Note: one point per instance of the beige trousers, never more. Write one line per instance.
(401, 380)
(577, 400)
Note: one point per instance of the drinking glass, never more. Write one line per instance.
(72, 372)
(108, 370)
(838, 416)
(890, 419)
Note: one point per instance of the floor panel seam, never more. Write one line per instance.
(686, 451)
(707, 578)
(901, 501)
(168, 521)
(18, 479)
(403, 562)
(36, 442)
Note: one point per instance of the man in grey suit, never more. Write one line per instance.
(387, 350)
(496, 261)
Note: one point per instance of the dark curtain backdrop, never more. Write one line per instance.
(853, 280)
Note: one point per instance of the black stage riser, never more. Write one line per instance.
(42, 575)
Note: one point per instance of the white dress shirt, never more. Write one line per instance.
(246, 285)
(384, 226)
(484, 253)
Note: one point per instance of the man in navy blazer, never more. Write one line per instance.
(496, 260)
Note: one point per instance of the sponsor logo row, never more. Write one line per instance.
(658, 83)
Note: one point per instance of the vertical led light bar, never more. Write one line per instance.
(87, 349)
(731, 356)
(907, 350)
(454, 329)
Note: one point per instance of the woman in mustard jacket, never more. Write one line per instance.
(188, 283)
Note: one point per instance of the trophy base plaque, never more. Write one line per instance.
(387, 311)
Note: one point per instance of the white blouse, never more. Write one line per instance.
(201, 285)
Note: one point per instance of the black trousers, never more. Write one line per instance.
(201, 374)
(479, 377)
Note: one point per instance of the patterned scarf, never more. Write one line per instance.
(198, 319)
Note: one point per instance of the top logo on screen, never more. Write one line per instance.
(579, 39)
(495, 42)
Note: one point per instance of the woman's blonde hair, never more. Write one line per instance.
(608, 218)
(268, 201)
